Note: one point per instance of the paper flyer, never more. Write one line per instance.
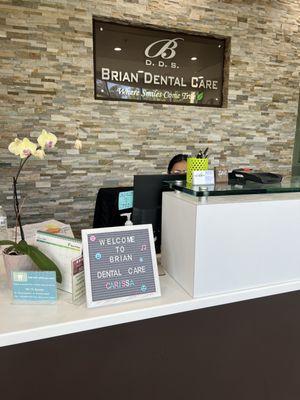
(50, 226)
(78, 282)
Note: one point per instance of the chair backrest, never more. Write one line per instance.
(110, 204)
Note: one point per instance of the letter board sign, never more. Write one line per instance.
(120, 264)
(151, 65)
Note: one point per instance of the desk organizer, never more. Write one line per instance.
(195, 164)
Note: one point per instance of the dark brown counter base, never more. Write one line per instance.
(243, 351)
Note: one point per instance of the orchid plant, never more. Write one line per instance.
(25, 149)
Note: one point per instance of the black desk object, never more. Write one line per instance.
(245, 175)
(107, 213)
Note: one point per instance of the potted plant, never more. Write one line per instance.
(19, 255)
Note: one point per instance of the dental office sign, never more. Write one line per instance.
(119, 264)
(149, 65)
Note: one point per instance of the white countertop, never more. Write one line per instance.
(237, 198)
(25, 323)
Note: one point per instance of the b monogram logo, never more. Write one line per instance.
(166, 51)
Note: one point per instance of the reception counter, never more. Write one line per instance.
(21, 323)
(239, 342)
(217, 241)
(174, 347)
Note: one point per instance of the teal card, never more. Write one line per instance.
(125, 200)
(34, 286)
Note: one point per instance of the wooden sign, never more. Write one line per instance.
(119, 264)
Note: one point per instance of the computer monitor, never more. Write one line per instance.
(110, 204)
(147, 201)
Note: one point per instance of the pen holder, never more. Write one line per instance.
(195, 164)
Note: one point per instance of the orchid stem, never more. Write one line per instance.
(16, 199)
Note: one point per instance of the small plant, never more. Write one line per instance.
(25, 149)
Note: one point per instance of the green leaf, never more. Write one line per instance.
(200, 96)
(10, 249)
(43, 262)
(22, 247)
(7, 243)
(12, 246)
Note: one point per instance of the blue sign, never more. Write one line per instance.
(34, 286)
(125, 200)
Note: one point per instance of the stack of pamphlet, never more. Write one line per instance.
(66, 252)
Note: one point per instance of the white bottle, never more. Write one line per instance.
(3, 225)
(128, 222)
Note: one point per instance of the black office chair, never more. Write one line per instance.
(107, 213)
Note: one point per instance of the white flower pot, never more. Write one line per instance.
(18, 262)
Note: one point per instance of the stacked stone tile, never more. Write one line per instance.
(46, 81)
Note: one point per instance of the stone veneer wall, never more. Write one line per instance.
(46, 76)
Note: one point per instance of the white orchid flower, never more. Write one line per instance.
(47, 140)
(39, 154)
(26, 148)
(14, 147)
(78, 144)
